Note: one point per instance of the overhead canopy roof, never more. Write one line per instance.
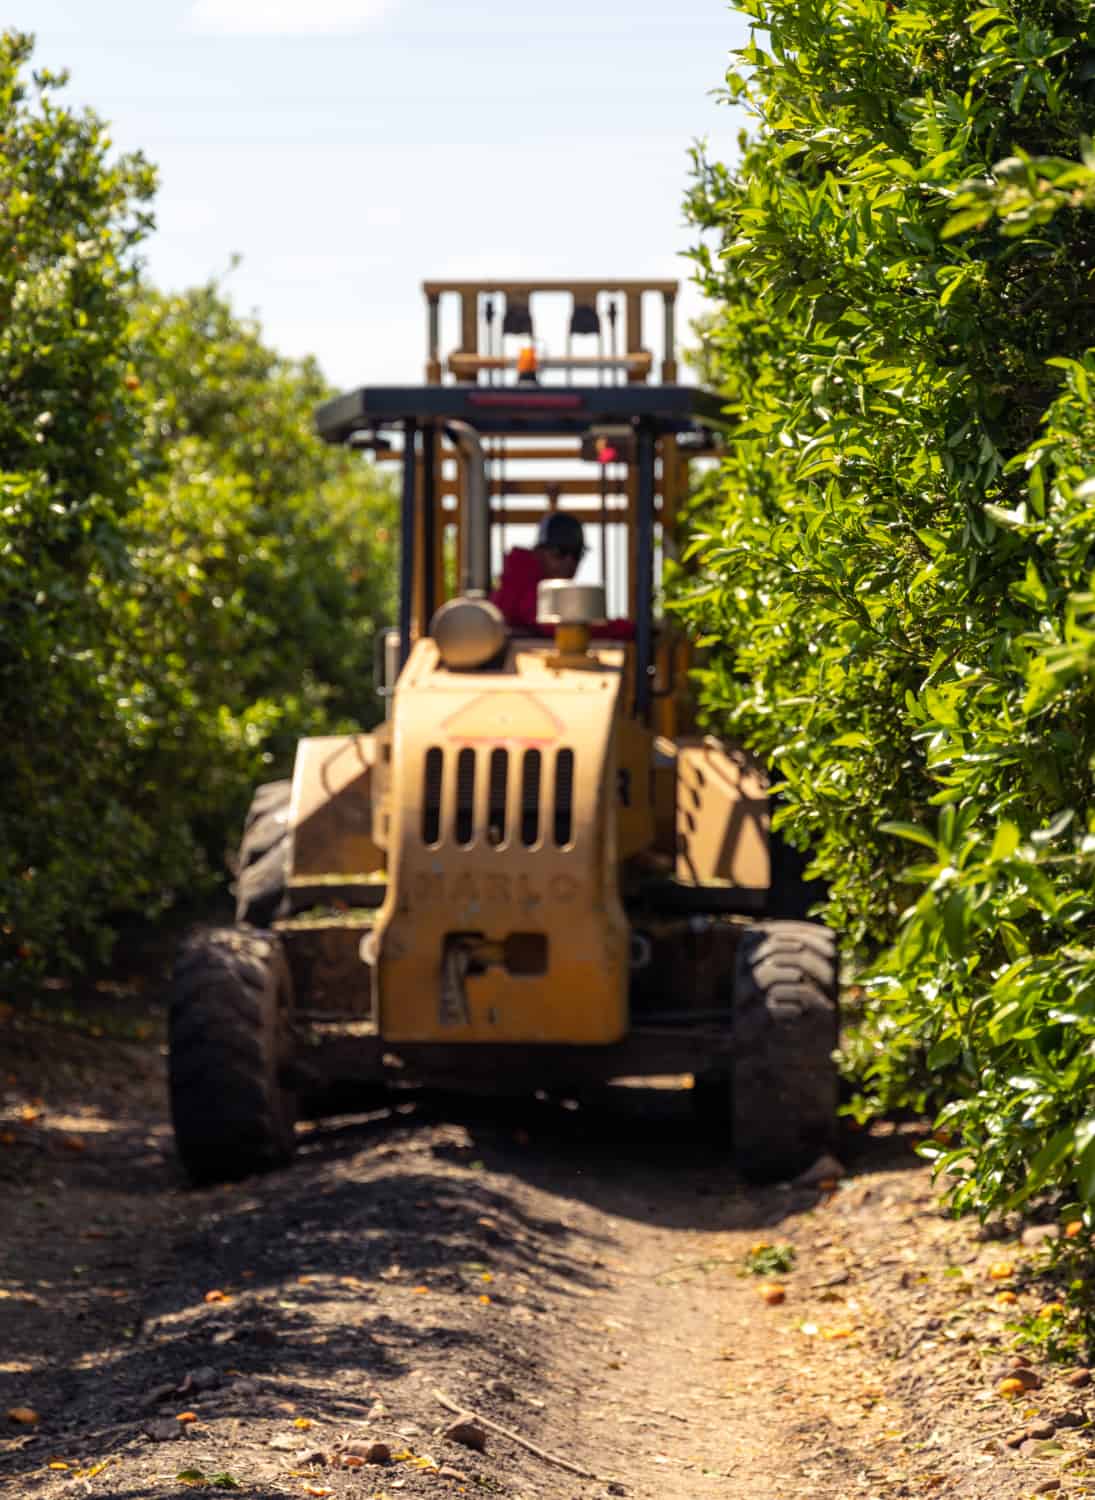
(548, 410)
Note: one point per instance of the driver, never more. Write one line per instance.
(560, 546)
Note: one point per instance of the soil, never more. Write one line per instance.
(573, 1278)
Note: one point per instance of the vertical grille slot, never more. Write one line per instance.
(564, 797)
(530, 797)
(496, 797)
(465, 796)
(431, 796)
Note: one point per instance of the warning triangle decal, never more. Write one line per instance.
(518, 717)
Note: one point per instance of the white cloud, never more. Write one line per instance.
(284, 17)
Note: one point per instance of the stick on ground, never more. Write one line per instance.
(514, 1437)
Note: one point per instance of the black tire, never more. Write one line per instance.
(263, 862)
(271, 796)
(230, 1050)
(784, 1082)
(712, 1104)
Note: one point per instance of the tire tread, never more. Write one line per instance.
(784, 1086)
(228, 1028)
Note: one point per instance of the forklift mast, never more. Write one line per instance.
(505, 430)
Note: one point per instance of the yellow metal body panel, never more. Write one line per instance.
(331, 807)
(468, 868)
(722, 815)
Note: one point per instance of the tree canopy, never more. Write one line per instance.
(188, 578)
(893, 569)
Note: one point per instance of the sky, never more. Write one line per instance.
(346, 150)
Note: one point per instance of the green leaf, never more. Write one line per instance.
(1005, 841)
(966, 218)
(955, 919)
(1085, 1173)
(911, 831)
(944, 1052)
(1043, 1165)
(981, 18)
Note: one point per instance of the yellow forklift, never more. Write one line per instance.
(535, 874)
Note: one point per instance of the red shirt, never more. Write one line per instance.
(515, 596)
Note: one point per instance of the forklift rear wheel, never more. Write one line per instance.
(263, 862)
(712, 1104)
(784, 1084)
(230, 1050)
(269, 797)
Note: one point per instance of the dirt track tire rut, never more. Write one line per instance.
(575, 1277)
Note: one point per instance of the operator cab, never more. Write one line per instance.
(542, 419)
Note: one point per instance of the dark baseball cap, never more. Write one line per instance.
(562, 532)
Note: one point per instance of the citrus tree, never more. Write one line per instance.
(893, 569)
(189, 579)
(68, 475)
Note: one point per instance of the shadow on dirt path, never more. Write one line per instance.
(576, 1276)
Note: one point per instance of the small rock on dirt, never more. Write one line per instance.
(1047, 1487)
(160, 1393)
(1070, 1418)
(371, 1451)
(1040, 1430)
(826, 1169)
(1078, 1378)
(203, 1379)
(284, 1442)
(502, 1390)
(165, 1431)
(445, 1472)
(312, 1458)
(468, 1432)
(615, 1488)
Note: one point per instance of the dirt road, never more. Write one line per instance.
(575, 1279)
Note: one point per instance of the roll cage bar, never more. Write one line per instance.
(466, 401)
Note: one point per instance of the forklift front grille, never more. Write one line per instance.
(532, 820)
